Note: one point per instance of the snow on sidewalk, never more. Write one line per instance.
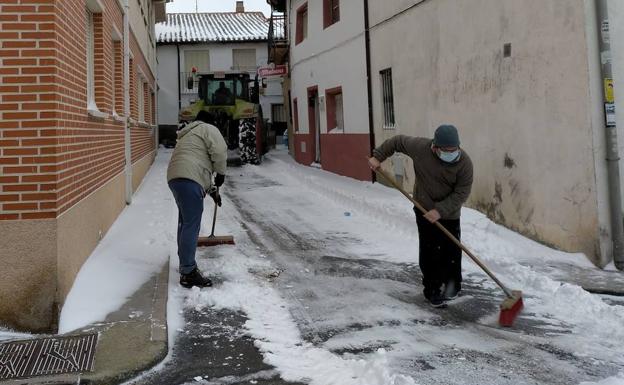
(133, 250)
(142, 239)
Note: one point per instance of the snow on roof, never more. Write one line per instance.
(212, 27)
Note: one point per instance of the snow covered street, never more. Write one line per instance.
(324, 282)
(325, 269)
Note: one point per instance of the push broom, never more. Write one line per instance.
(213, 240)
(511, 306)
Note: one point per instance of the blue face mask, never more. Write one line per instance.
(449, 157)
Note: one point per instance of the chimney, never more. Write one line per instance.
(240, 6)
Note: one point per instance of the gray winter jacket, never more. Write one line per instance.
(200, 151)
(440, 185)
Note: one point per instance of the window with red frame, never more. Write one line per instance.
(331, 12)
(335, 117)
(302, 23)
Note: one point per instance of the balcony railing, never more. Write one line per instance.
(184, 81)
(278, 35)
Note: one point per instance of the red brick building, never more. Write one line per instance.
(77, 135)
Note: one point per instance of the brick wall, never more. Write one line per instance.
(53, 152)
(142, 136)
(28, 109)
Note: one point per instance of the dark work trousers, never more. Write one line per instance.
(189, 196)
(439, 258)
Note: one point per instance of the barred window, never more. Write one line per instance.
(387, 98)
(90, 62)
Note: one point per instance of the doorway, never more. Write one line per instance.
(314, 120)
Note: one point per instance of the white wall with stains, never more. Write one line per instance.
(528, 121)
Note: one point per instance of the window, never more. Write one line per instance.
(146, 103)
(198, 59)
(387, 98)
(133, 91)
(335, 117)
(141, 100)
(278, 113)
(193, 59)
(244, 59)
(118, 97)
(296, 115)
(331, 12)
(302, 23)
(90, 62)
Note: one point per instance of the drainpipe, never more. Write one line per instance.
(179, 83)
(127, 152)
(369, 82)
(613, 157)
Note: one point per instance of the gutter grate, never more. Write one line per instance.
(14, 358)
(47, 356)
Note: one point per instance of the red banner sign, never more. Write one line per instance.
(278, 70)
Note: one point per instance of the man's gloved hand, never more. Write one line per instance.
(219, 179)
(216, 197)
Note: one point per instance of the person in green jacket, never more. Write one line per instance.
(443, 173)
(200, 151)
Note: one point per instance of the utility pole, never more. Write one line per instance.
(613, 157)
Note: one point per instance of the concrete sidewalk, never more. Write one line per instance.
(131, 340)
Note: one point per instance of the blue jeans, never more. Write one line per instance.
(189, 196)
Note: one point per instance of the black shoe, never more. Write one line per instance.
(451, 290)
(436, 299)
(194, 278)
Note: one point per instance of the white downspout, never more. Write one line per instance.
(126, 65)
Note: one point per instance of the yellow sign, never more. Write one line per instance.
(608, 90)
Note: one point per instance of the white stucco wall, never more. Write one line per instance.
(168, 85)
(616, 19)
(525, 120)
(273, 94)
(329, 58)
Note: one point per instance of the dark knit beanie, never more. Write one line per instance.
(446, 136)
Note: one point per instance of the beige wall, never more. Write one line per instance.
(81, 228)
(140, 168)
(142, 25)
(525, 120)
(28, 284)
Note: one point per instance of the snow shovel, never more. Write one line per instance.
(213, 240)
(512, 305)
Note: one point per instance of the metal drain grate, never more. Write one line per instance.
(47, 356)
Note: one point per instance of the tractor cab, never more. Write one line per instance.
(233, 99)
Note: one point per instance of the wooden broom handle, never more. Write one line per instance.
(444, 230)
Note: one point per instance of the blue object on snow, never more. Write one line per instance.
(347, 214)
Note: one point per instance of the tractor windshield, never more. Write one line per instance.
(221, 92)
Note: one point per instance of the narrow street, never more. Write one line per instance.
(326, 287)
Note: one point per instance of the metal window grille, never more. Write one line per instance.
(387, 98)
(90, 61)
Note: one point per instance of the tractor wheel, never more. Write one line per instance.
(247, 141)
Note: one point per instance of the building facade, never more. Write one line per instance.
(522, 82)
(209, 43)
(78, 107)
(328, 86)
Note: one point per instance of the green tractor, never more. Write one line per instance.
(233, 99)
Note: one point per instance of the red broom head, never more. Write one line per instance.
(510, 308)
